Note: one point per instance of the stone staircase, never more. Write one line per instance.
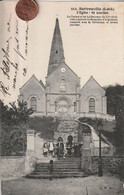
(63, 168)
(67, 125)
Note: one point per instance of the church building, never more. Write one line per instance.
(62, 94)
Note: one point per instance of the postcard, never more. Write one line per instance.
(61, 77)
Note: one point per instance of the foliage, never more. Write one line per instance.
(15, 120)
(15, 115)
(13, 140)
(45, 125)
(13, 125)
(107, 125)
(115, 97)
(115, 106)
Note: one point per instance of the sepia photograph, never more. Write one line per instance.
(61, 98)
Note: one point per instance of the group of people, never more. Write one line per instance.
(60, 149)
(48, 148)
(53, 149)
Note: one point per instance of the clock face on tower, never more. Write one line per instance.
(63, 69)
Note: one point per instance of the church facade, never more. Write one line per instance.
(62, 94)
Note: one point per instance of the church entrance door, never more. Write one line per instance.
(63, 108)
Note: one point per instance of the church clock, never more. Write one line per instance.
(63, 69)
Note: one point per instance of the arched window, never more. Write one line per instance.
(33, 103)
(63, 85)
(91, 105)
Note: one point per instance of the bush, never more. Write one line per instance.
(45, 125)
(13, 140)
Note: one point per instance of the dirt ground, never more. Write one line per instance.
(92, 185)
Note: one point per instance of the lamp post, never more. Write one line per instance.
(100, 128)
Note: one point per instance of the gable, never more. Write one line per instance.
(32, 84)
(63, 71)
(92, 87)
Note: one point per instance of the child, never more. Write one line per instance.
(50, 167)
(45, 149)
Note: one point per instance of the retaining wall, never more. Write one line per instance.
(112, 164)
(12, 166)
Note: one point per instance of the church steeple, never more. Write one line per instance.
(57, 52)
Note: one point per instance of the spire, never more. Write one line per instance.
(57, 52)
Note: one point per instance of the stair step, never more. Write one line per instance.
(66, 167)
(58, 175)
(58, 170)
(69, 159)
(59, 165)
(67, 162)
(56, 163)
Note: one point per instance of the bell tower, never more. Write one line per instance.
(57, 52)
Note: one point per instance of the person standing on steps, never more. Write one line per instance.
(69, 145)
(50, 168)
(45, 149)
(51, 147)
(60, 149)
(76, 150)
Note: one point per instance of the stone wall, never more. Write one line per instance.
(11, 166)
(112, 164)
(65, 128)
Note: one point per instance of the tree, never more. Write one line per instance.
(20, 113)
(115, 97)
(13, 127)
(115, 106)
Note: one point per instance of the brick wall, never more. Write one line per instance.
(12, 166)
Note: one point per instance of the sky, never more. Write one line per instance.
(90, 49)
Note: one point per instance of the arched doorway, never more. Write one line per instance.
(63, 106)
